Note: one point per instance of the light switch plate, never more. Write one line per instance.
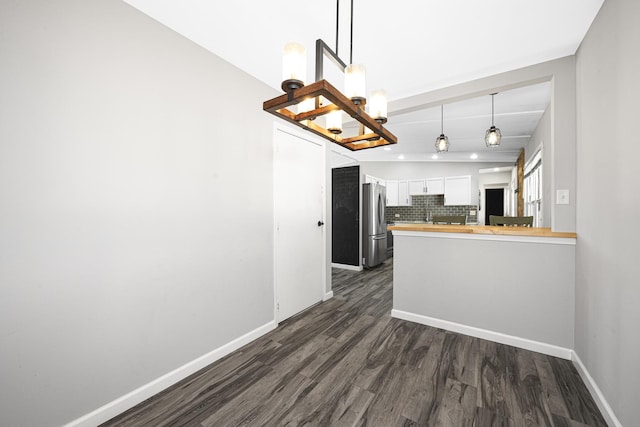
(472, 212)
(562, 197)
(397, 215)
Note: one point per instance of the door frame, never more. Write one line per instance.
(308, 138)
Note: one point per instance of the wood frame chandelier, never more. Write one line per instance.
(318, 107)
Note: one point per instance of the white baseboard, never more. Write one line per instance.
(527, 344)
(347, 266)
(129, 400)
(595, 391)
(327, 295)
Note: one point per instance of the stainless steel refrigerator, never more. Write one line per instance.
(374, 225)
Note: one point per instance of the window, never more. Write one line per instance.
(533, 189)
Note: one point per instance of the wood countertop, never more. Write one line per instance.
(483, 229)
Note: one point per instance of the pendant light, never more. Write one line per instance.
(320, 108)
(493, 134)
(442, 142)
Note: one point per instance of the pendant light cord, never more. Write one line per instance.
(338, 30)
(442, 119)
(351, 41)
(337, 23)
(492, 95)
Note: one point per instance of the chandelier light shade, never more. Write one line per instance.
(493, 135)
(303, 103)
(294, 66)
(442, 142)
(307, 105)
(378, 106)
(334, 122)
(355, 87)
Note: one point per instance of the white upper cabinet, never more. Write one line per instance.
(457, 190)
(404, 199)
(417, 187)
(398, 193)
(434, 185)
(392, 193)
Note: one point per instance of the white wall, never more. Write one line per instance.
(449, 277)
(136, 206)
(339, 160)
(607, 269)
(540, 140)
(416, 170)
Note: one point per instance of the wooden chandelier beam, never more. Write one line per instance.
(278, 107)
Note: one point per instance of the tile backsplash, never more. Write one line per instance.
(424, 207)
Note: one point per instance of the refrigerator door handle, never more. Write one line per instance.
(379, 237)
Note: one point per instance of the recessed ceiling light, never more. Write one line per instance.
(401, 157)
(496, 169)
(434, 157)
(386, 148)
(474, 156)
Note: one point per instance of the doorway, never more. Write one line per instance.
(494, 203)
(299, 234)
(345, 216)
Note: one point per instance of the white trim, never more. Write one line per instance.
(129, 400)
(527, 344)
(347, 266)
(595, 391)
(275, 222)
(327, 295)
(493, 237)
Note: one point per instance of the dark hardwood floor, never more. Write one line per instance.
(346, 362)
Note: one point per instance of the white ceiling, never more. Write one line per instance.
(408, 47)
(517, 113)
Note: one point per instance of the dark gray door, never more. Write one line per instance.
(494, 203)
(345, 231)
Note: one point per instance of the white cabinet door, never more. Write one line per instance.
(435, 185)
(457, 190)
(392, 193)
(403, 194)
(417, 187)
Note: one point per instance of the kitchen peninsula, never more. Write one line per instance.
(513, 285)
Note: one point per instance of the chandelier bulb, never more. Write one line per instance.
(378, 106)
(294, 66)
(355, 87)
